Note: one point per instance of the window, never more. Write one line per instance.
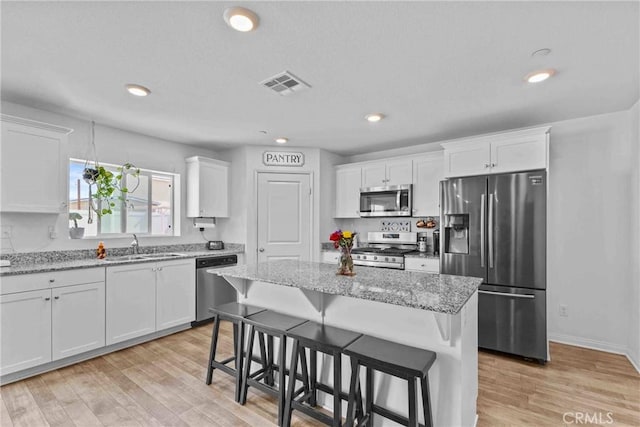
(149, 209)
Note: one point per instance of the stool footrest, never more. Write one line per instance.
(313, 413)
(393, 416)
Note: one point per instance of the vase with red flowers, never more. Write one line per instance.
(343, 240)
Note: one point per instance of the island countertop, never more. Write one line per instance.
(440, 293)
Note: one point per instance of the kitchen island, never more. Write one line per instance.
(432, 311)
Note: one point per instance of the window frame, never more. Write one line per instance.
(149, 173)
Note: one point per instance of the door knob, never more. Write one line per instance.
(261, 249)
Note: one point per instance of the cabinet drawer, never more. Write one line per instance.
(330, 257)
(429, 265)
(54, 279)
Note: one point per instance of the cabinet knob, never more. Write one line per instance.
(52, 280)
(56, 297)
(486, 165)
(261, 250)
(47, 299)
(493, 165)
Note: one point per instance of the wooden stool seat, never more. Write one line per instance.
(235, 313)
(271, 324)
(395, 359)
(328, 340)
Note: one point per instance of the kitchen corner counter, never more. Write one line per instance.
(439, 293)
(424, 255)
(36, 262)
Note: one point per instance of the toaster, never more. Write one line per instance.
(215, 245)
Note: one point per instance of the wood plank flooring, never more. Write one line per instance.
(161, 383)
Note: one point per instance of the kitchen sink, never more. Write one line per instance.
(160, 255)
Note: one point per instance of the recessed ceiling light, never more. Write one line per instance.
(137, 90)
(374, 117)
(241, 19)
(282, 140)
(539, 76)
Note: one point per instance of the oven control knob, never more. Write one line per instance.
(375, 258)
(357, 256)
(386, 259)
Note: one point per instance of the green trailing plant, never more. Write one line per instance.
(75, 216)
(109, 188)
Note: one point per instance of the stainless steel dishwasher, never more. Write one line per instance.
(212, 290)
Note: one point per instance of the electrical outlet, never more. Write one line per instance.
(6, 231)
(563, 310)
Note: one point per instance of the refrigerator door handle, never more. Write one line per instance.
(482, 197)
(490, 226)
(504, 294)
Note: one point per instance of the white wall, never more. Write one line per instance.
(634, 326)
(593, 256)
(30, 231)
(247, 161)
(590, 241)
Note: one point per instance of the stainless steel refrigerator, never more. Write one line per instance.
(494, 227)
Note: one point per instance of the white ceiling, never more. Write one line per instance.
(438, 70)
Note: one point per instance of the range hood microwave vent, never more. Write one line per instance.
(285, 83)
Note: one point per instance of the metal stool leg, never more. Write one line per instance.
(426, 401)
(270, 380)
(313, 377)
(369, 397)
(214, 345)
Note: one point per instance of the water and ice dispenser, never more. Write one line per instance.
(456, 234)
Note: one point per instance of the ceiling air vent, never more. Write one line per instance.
(285, 83)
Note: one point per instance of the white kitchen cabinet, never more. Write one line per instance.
(506, 152)
(78, 319)
(330, 257)
(348, 183)
(28, 185)
(425, 265)
(149, 297)
(130, 301)
(388, 172)
(25, 329)
(207, 187)
(427, 174)
(175, 293)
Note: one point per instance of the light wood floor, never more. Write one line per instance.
(162, 383)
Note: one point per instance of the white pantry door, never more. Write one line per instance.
(284, 216)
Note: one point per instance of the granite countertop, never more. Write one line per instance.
(440, 293)
(42, 262)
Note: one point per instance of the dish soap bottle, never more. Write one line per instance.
(101, 252)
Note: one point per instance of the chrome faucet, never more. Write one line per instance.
(135, 246)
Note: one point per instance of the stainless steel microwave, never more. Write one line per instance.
(395, 200)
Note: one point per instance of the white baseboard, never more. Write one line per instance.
(595, 345)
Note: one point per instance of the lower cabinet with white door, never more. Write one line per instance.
(148, 297)
(49, 316)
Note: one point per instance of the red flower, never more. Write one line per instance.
(335, 238)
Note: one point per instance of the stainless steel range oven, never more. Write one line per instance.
(385, 249)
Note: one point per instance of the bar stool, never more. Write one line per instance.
(398, 360)
(271, 324)
(234, 313)
(325, 339)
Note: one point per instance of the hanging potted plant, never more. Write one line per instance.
(106, 187)
(75, 232)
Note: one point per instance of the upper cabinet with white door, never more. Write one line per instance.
(427, 174)
(28, 185)
(505, 152)
(348, 183)
(388, 172)
(207, 187)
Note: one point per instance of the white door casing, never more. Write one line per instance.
(284, 216)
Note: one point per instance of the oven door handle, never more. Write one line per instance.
(504, 294)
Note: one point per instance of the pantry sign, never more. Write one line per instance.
(282, 158)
